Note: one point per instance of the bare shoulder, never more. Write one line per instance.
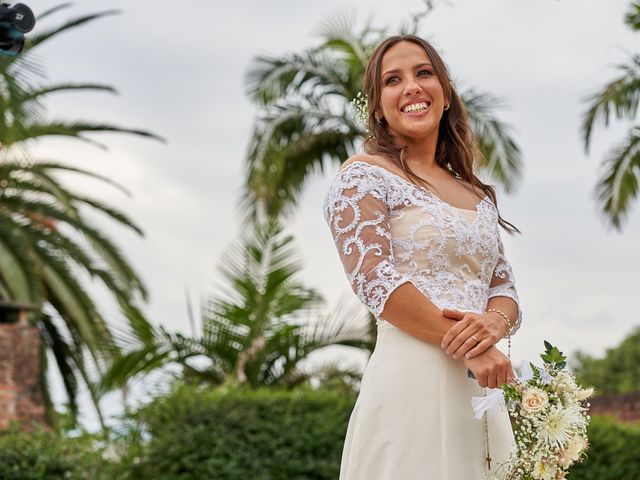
(366, 158)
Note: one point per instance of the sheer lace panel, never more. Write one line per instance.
(357, 213)
(503, 283)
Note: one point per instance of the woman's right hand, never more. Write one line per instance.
(492, 368)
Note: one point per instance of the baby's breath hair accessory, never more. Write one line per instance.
(361, 105)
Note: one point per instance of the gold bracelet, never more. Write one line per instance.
(505, 317)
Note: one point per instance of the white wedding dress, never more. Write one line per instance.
(413, 418)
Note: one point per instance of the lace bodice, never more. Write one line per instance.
(389, 231)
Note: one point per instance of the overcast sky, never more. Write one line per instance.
(179, 68)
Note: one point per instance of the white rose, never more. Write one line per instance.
(534, 399)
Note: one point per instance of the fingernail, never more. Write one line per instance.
(467, 356)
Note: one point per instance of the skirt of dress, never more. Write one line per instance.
(413, 418)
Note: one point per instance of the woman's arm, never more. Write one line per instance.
(410, 310)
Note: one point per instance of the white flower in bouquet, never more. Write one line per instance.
(575, 446)
(557, 427)
(534, 399)
(543, 470)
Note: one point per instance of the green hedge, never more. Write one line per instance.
(206, 434)
(198, 434)
(614, 452)
(43, 455)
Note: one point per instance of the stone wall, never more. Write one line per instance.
(625, 407)
(20, 392)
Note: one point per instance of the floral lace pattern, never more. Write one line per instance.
(389, 231)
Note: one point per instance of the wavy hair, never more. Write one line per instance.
(456, 150)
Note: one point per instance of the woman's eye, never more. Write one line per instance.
(424, 73)
(390, 80)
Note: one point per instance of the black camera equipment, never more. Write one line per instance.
(14, 23)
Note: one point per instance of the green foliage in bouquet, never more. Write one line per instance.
(553, 357)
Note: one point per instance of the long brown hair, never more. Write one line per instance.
(456, 150)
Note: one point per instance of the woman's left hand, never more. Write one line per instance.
(487, 328)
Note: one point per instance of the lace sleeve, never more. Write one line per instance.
(356, 211)
(503, 283)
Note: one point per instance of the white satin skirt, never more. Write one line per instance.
(413, 418)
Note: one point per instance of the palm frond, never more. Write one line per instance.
(62, 352)
(338, 36)
(41, 167)
(75, 129)
(14, 277)
(36, 93)
(619, 97)
(347, 324)
(499, 149)
(53, 10)
(290, 143)
(270, 79)
(632, 17)
(618, 185)
(34, 40)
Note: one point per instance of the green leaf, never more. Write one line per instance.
(553, 356)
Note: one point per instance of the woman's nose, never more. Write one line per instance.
(412, 87)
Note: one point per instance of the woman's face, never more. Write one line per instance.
(411, 98)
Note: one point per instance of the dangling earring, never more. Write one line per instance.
(446, 107)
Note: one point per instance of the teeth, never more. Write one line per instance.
(416, 107)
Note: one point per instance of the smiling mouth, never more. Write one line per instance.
(416, 107)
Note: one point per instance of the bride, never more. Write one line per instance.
(418, 235)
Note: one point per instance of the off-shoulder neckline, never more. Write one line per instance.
(423, 189)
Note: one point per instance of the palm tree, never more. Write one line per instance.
(618, 184)
(256, 332)
(306, 118)
(48, 249)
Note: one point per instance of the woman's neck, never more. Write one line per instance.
(421, 155)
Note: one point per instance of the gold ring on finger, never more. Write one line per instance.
(477, 341)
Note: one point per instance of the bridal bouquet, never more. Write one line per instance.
(549, 417)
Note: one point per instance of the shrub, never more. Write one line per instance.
(43, 455)
(204, 434)
(613, 454)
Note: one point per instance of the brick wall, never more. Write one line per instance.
(20, 392)
(625, 407)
